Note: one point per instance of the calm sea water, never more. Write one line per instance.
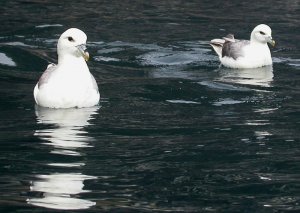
(174, 132)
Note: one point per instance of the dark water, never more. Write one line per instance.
(174, 132)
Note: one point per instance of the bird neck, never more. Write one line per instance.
(68, 58)
(254, 41)
(72, 62)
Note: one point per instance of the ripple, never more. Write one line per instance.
(5, 60)
(227, 101)
(105, 59)
(257, 122)
(283, 203)
(67, 164)
(266, 110)
(222, 86)
(18, 43)
(180, 54)
(48, 25)
(290, 61)
(182, 102)
(110, 50)
(168, 58)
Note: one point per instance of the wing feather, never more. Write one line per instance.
(46, 75)
(234, 49)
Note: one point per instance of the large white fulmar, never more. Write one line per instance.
(69, 83)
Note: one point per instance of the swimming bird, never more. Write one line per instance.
(242, 54)
(69, 83)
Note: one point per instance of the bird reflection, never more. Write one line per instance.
(58, 190)
(66, 136)
(262, 76)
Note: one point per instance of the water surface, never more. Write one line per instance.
(175, 132)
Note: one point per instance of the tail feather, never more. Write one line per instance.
(229, 38)
(217, 45)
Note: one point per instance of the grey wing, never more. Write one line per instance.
(234, 49)
(47, 74)
(229, 37)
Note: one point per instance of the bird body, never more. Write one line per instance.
(69, 83)
(255, 53)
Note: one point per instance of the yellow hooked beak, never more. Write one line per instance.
(83, 52)
(271, 41)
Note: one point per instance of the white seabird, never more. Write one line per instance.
(69, 83)
(243, 54)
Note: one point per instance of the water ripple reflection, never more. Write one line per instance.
(262, 76)
(66, 137)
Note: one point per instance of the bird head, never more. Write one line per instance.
(262, 34)
(73, 41)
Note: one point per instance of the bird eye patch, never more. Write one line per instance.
(71, 39)
(261, 32)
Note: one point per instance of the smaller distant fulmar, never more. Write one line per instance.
(255, 53)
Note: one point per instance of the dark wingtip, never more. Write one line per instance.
(216, 44)
(231, 36)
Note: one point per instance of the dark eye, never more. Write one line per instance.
(262, 33)
(71, 39)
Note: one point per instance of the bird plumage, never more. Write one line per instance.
(69, 83)
(251, 53)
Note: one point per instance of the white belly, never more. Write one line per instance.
(65, 91)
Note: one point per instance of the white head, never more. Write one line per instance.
(262, 34)
(72, 42)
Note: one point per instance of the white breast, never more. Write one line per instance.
(71, 85)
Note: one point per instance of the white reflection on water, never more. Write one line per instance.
(57, 191)
(67, 133)
(65, 136)
(262, 76)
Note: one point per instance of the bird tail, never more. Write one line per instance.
(217, 45)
